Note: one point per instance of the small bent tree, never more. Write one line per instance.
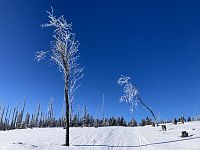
(131, 94)
(64, 52)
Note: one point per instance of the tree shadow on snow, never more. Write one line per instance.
(132, 146)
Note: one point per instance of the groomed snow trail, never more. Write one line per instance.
(143, 143)
(109, 138)
(104, 138)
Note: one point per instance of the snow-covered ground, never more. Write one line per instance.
(104, 138)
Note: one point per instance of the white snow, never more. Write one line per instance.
(104, 138)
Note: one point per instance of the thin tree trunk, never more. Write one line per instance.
(67, 112)
(5, 120)
(13, 116)
(139, 98)
(21, 123)
(15, 119)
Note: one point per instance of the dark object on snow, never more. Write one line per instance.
(164, 128)
(184, 134)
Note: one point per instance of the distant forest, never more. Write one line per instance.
(15, 118)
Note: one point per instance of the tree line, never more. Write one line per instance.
(15, 118)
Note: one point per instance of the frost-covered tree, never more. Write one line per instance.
(64, 52)
(131, 94)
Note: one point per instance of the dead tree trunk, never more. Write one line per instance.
(67, 112)
(6, 120)
(23, 111)
(15, 118)
(140, 100)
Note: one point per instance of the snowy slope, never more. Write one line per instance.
(104, 138)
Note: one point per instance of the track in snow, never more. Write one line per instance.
(143, 143)
(103, 138)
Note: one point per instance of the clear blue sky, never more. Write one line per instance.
(157, 43)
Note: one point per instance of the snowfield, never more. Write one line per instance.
(104, 138)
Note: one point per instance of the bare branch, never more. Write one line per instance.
(40, 55)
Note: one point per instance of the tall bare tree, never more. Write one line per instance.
(64, 52)
(23, 107)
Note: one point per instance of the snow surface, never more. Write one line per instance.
(104, 138)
